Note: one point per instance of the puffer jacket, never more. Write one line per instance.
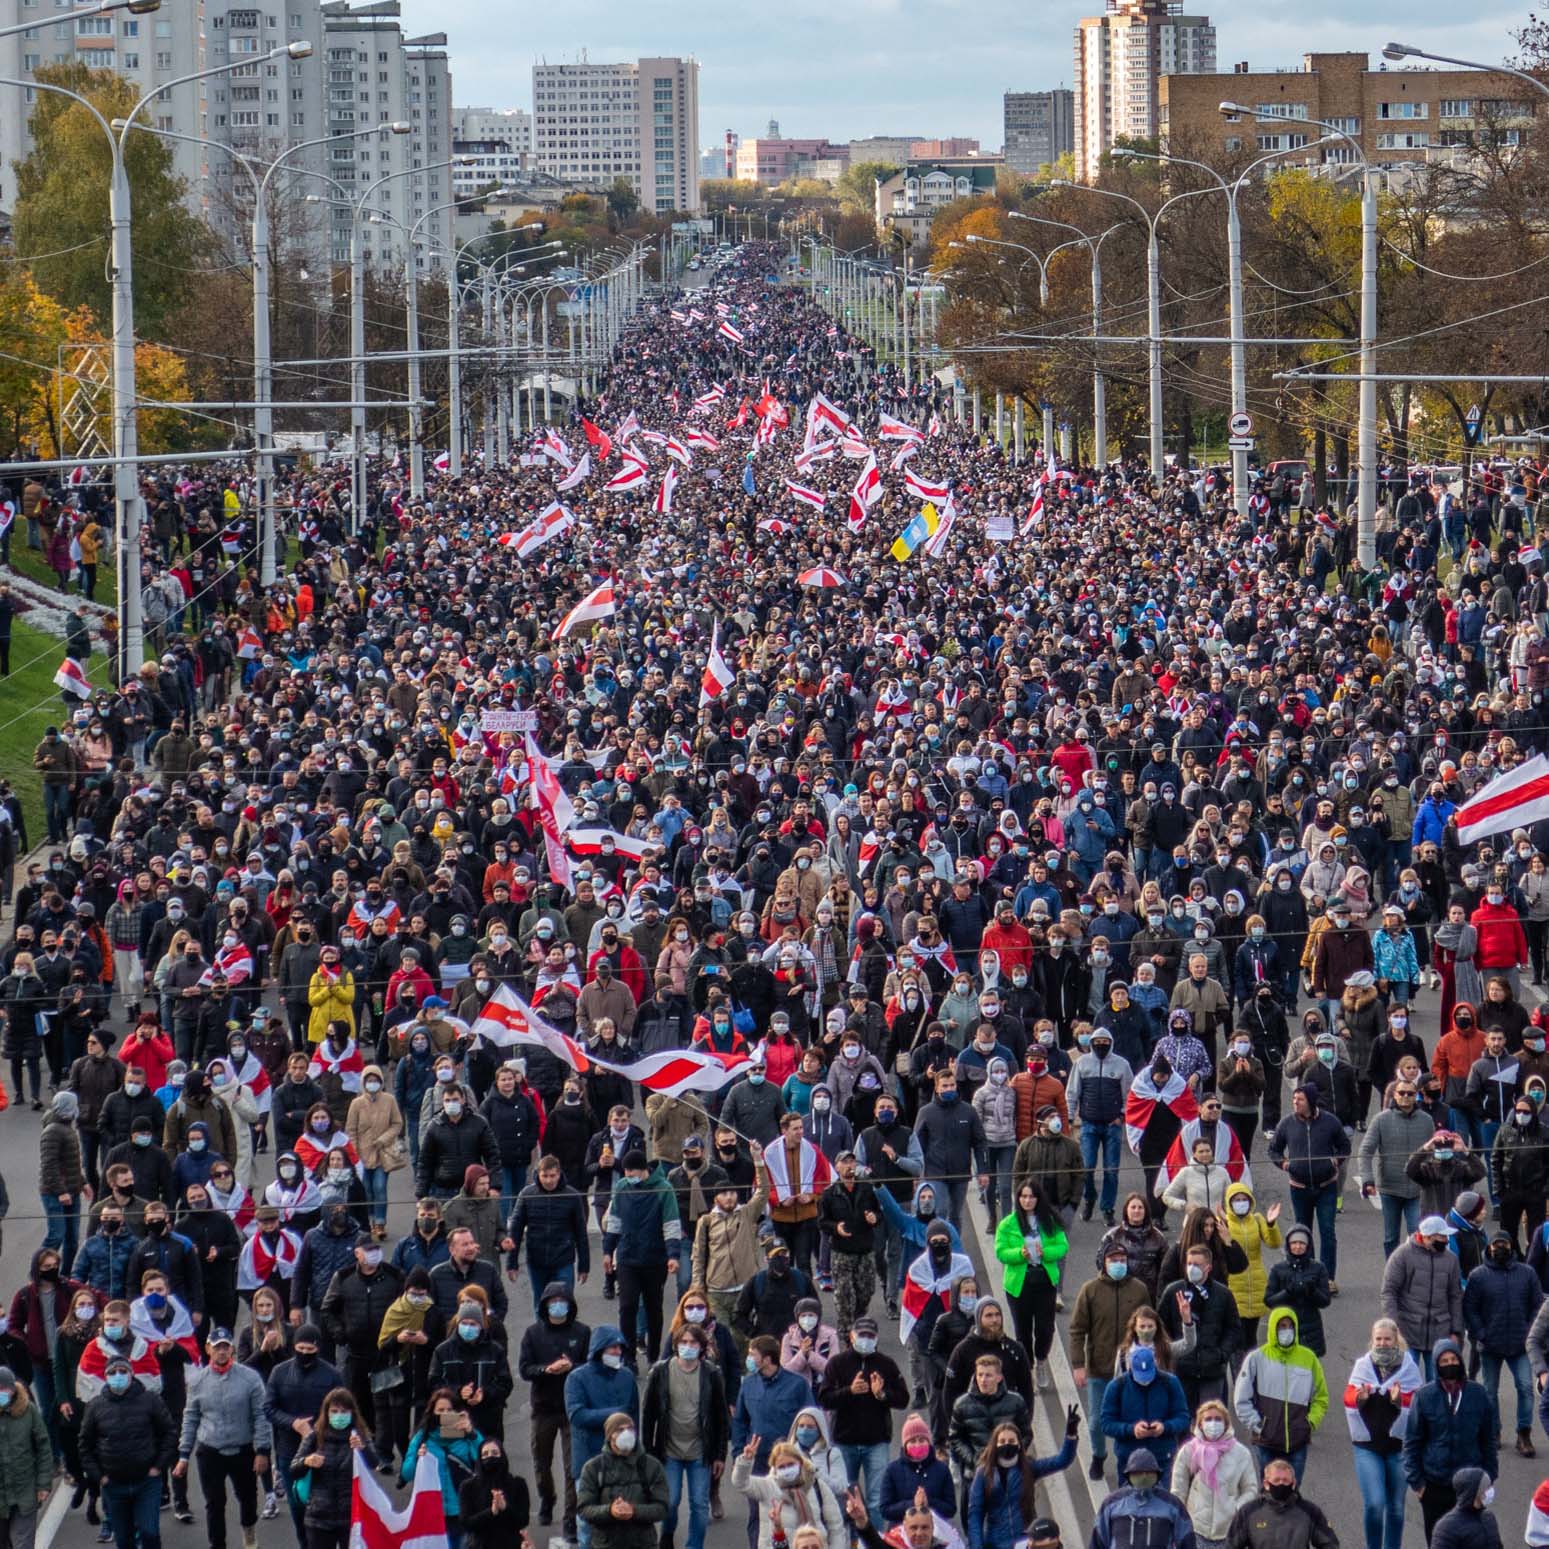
(328, 1497)
(995, 1515)
(1252, 1233)
(975, 1416)
(544, 1343)
(1522, 1160)
(59, 1157)
(1280, 1398)
(1422, 1291)
(1302, 1285)
(1237, 1482)
(448, 1150)
(593, 1392)
(124, 1436)
(1500, 1302)
(324, 1252)
(997, 1110)
(354, 1305)
(1391, 1139)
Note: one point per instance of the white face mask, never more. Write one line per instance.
(1213, 1429)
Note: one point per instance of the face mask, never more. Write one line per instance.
(1280, 1490)
(806, 1437)
(807, 1322)
(1117, 1268)
(195, 1144)
(1213, 1429)
(1285, 1335)
(1242, 1050)
(340, 1422)
(1443, 1153)
(947, 1099)
(86, 1312)
(1143, 1482)
(114, 1331)
(612, 1360)
(453, 1109)
(916, 1451)
(1241, 1206)
(865, 1344)
(788, 1473)
(141, 1140)
(1328, 1056)
(694, 1314)
(1196, 1274)
(118, 1382)
(624, 1441)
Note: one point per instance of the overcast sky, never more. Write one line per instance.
(921, 67)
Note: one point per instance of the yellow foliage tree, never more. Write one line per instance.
(32, 328)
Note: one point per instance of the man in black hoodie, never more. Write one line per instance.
(551, 1349)
(1308, 1145)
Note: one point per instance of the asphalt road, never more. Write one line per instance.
(1072, 1498)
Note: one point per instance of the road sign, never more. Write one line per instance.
(1241, 443)
(1473, 422)
(1240, 425)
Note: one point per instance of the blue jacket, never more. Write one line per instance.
(1499, 1304)
(465, 1451)
(1126, 1402)
(1439, 1440)
(910, 1227)
(1431, 821)
(1089, 834)
(593, 1392)
(995, 1519)
(323, 1254)
(767, 1408)
(903, 1476)
(1158, 1505)
(103, 1263)
(414, 1250)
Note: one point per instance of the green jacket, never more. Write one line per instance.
(1281, 1397)
(1008, 1249)
(26, 1457)
(641, 1480)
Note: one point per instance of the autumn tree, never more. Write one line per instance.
(61, 202)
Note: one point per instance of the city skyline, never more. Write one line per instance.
(879, 69)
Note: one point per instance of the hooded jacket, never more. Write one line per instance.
(1468, 1526)
(1013, 1358)
(544, 1343)
(1252, 1233)
(1302, 1284)
(1127, 1402)
(1500, 1302)
(1280, 1397)
(593, 1392)
(1443, 1437)
(1310, 1149)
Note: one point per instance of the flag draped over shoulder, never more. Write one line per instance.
(1145, 1096)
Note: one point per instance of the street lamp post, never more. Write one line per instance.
(126, 441)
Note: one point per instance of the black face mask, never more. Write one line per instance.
(156, 1228)
(306, 1359)
(1280, 1490)
(779, 1268)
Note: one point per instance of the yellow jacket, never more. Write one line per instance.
(1251, 1232)
(331, 1000)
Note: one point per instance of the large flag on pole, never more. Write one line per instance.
(576, 474)
(556, 812)
(1517, 799)
(867, 492)
(376, 1523)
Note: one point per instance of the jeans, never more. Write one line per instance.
(955, 1191)
(48, 1401)
(376, 1194)
(998, 1195)
(1397, 1212)
(512, 1181)
(546, 1274)
(1488, 1130)
(890, 1257)
(873, 1458)
(56, 809)
(1308, 1205)
(1297, 1459)
(1462, 1122)
(1095, 1388)
(64, 1227)
(1521, 1374)
(1106, 1138)
(133, 1510)
(697, 1477)
(1384, 1492)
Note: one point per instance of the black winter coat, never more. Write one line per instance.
(553, 1226)
(124, 1436)
(514, 1122)
(654, 1419)
(121, 1110)
(481, 1363)
(449, 1150)
(1302, 1285)
(1218, 1329)
(355, 1304)
(328, 1497)
(486, 1529)
(543, 1344)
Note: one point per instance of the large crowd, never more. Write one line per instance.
(974, 870)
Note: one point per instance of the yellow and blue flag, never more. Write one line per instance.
(920, 528)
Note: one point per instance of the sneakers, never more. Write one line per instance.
(1094, 1469)
(250, 1537)
(1108, 1220)
(1043, 1377)
(104, 1534)
(826, 1283)
(271, 1506)
(184, 1515)
(1059, 1303)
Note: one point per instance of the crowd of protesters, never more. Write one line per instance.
(979, 871)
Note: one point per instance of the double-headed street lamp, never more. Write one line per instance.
(126, 441)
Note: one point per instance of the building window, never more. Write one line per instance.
(1281, 109)
(1403, 142)
(1403, 110)
(1456, 107)
(130, 28)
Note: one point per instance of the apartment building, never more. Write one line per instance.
(1121, 58)
(769, 161)
(1395, 115)
(639, 120)
(1040, 127)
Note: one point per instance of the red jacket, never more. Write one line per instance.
(1502, 941)
(1073, 759)
(417, 980)
(627, 969)
(1013, 946)
(152, 1056)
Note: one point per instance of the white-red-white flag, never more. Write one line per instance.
(442, 463)
(72, 679)
(552, 522)
(806, 495)
(1517, 799)
(923, 491)
(250, 644)
(718, 674)
(597, 604)
(822, 412)
(376, 1523)
(676, 450)
(867, 492)
(702, 439)
(664, 492)
(576, 474)
(896, 430)
(936, 544)
(556, 811)
(630, 476)
(726, 331)
(589, 841)
(818, 452)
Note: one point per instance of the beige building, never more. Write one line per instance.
(1121, 57)
(1396, 115)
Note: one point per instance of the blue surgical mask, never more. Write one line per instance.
(195, 1144)
(468, 1332)
(558, 1309)
(806, 1437)
(118, 1382)
(755, 1078)
(340, 1422)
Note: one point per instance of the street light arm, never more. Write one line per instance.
(61, 91)
(1180, 161)
(1404, 51)
(139, 7)
(120, 125)
(202, 75)
(328, 139)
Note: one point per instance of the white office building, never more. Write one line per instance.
(595, 123)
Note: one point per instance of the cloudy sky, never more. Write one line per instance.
(922, 67)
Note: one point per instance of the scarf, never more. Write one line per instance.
(1457, 937)
(400, 1316)
(1205, 1456)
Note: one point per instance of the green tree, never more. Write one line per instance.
(623, 201)
(62, 202)
(856, 186)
